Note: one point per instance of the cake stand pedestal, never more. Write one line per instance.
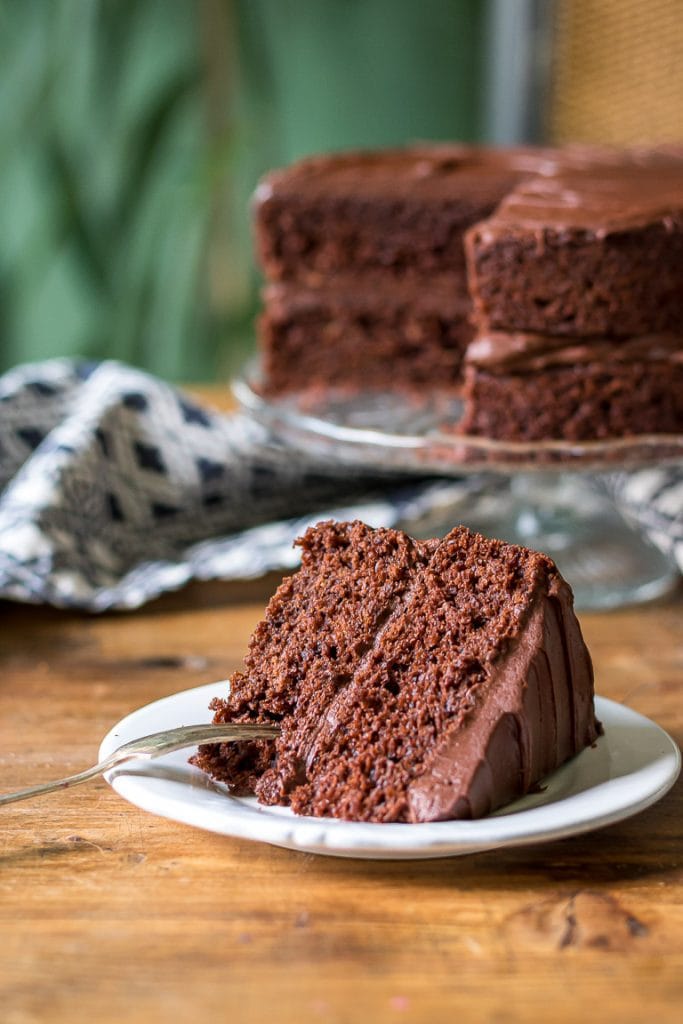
(550, 496)
(608, 562)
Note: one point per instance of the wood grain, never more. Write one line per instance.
(107, 913)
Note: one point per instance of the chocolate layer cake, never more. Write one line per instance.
(370, 248)
(412, 680)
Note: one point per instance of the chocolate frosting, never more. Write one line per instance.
(351, 295)
(430, 170)
(592, 187)
(602, 198)
(529, 352)
(531, 715)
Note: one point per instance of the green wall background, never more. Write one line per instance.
(132, 133)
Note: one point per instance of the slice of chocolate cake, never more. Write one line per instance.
(412, 680)
(367, 251)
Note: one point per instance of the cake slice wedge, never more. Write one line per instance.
(412, 680)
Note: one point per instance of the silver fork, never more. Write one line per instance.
(148, 747)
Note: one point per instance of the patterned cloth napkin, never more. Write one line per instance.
(116, 487)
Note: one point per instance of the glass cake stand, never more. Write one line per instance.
(551, 496)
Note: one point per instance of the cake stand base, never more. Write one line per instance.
(608, 563)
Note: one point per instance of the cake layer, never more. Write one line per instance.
(402, 212)
(387, 337)
(526, 388)
(464, 684)
(584, 252)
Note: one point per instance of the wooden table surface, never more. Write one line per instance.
(108, 913)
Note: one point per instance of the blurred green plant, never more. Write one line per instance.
(109, 181)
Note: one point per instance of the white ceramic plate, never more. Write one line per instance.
(630, 767)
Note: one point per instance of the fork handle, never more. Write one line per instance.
(148, 747)
(51, 787)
